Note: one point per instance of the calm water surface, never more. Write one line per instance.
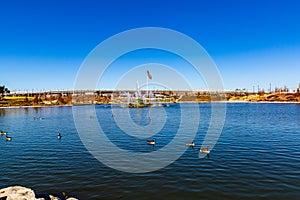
(256, 157)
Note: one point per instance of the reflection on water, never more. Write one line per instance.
(2, 112)
(257, 155)
(140, 116)
(20, 111)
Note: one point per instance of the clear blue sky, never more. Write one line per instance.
(253, 42)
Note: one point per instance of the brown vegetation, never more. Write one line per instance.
(68, 99)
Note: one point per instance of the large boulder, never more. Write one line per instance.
(22, 193)
(17, 193)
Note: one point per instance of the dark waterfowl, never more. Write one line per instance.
(59, 136)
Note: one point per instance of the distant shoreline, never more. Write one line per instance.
(188, 102)
(161, 97)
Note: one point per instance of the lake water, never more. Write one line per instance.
(257, 155)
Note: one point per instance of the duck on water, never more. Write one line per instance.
(151, 142)
(8, 138)
(190, 144)
(205, 151)
(3, 133)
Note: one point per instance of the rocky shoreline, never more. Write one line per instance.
(23, 193)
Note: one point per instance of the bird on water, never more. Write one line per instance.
(205, 151)
(3, 133)
(8, 138)
(151, 142)
(190, 144)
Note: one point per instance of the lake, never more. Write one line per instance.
(256, 157)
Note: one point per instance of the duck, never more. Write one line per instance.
(151, 142)
(38, 118)
(59, 136)
(205, 151)
(3, 133)
(8, 138)
(190, 144)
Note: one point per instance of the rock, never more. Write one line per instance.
(22, 193)
(56, 198)
(53, 197)
(17, 193)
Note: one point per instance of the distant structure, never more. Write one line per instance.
(282, 90)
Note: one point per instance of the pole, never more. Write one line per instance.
(147, 87)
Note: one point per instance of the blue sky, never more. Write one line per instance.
(252, 42)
